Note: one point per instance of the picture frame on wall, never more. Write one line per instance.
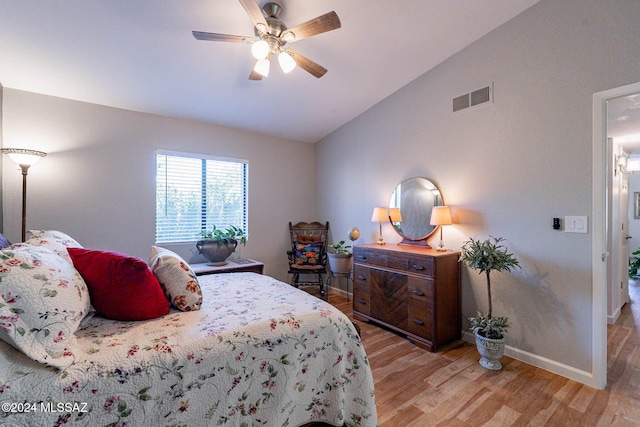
(636, 205)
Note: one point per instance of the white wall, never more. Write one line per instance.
(634, 224)
(97, 182)
(506, 169)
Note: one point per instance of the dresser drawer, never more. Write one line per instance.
(419, 321)
(360, 274)
(361, 298)
(380, 259)
(417, 265)
(420, 292)
(370, 257)
(424, 266)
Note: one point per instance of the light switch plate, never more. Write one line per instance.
(575, 224)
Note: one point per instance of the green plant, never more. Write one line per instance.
(634, 264)
(487, 256)
(340, 248)
(489, 327)
(230, 233)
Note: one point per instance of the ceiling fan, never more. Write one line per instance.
(272, 36)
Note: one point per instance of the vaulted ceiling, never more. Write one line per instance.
(141, 55)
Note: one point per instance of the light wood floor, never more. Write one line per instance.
(449, 388)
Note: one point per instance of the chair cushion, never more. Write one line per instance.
(306, 254)
(308, 238)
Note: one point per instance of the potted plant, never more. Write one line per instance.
(340, 259)
(487, 256)
(634, 264)
(216, 245)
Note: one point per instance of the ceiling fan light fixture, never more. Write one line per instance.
(289, 37)
(262, 67)
(286, 61)
(260, 49)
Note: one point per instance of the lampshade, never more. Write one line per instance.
(287, 63)
(23, 156)
(395, 215)
(260, 49)
(379, 215)
(440, 215)
(262, 67)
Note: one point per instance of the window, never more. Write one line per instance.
(194, 193)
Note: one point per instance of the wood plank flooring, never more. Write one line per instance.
(415, 388)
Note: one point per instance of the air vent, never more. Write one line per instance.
(461, 102)
(473, 99)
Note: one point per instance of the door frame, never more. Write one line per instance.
(599, 252)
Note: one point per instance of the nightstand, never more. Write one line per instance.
(232, 266)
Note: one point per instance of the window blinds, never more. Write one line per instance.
(194, 193)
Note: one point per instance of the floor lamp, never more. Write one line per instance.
(25, 158)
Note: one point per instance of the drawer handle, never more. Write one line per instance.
(418, 292)
(361, 301)
(418, 322)
(362, 278)
(418, 267)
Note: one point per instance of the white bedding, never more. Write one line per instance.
(259, 352)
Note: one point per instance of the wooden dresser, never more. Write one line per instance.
(412, 290)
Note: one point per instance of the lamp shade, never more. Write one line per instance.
(262, 67)
(395, 215)
(260, 49)
(440, 215)
(23, 156)
(287, 63)
(379, 215)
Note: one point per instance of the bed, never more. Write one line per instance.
(258, 352)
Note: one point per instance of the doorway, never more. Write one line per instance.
(602, 233)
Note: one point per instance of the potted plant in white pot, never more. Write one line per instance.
(487, 256)
(340, 259)
(216, 245)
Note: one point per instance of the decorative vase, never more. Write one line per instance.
(491, 350)
(340, 264)
(216, 251)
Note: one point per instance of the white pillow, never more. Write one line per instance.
(55, 240)
(43, 299)
(178, 280)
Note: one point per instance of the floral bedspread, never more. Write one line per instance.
(259, 352)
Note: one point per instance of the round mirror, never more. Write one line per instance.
(410, 209)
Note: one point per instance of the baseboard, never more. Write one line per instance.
(542, 362)
(341, 292)
(613, 318)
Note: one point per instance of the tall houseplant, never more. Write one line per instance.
(486, 256)
(216, 245)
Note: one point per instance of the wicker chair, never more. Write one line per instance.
(308, 254)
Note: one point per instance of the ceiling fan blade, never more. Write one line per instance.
(254, 12)
(306, 64)
(321, 24)
(219, 37)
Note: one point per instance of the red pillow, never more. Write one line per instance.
(120, 287)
